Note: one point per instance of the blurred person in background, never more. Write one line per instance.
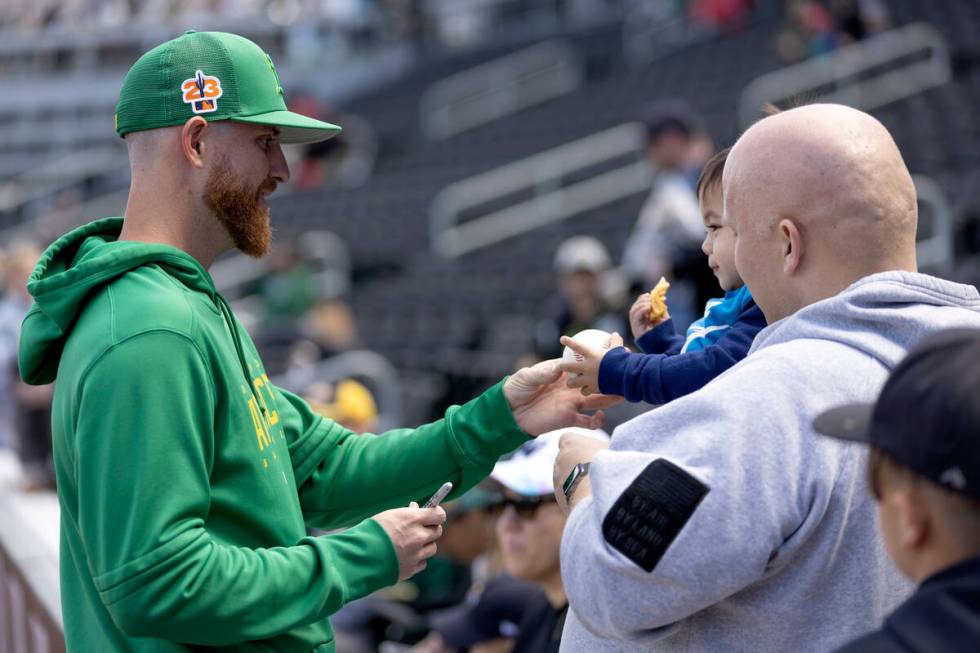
(487, 620)
(529, 530)
(469, 533)
(808, 31)
(17, 262)
(347, 160)
(582, 267)
(924, 472)
(325, 330)
(25, 410)
(858, 19)
(349, 403)
(727, 15)
(287, 289)
(465, 562)
(460, 599)
(666, 240)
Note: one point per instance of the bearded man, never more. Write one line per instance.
(186, 479)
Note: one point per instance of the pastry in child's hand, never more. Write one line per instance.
(658, 301)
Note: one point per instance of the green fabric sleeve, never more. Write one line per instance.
(143, 453)
(344, 477)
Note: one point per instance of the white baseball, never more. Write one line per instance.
(592, 337)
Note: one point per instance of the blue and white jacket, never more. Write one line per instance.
(672, 365)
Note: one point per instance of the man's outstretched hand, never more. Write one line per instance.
(542, 402)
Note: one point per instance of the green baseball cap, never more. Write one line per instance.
(217, 76)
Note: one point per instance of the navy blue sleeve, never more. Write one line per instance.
(659, 378)
(661, 339)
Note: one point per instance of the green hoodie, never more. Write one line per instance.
(187, 481)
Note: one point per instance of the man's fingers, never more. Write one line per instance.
(586, 390)
(432, 516)
(598, 420)
(597, 401)
(542, 373)
(413, 505)
(428, 550)
(573, 367)
(432, 533)
(590, 421)
(576, 381)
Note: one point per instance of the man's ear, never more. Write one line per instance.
(192, 140)
(791, 240)
(915, 520)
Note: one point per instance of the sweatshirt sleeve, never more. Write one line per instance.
(661, 339)
(344, 477)
(695, 501)
(143, 453)
(660, 378)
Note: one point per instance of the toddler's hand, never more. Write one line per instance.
(584, 373)
(640, 321)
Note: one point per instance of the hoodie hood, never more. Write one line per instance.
(883, 315)
(70, 269)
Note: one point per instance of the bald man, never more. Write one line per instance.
(719, 522)
(186, 479)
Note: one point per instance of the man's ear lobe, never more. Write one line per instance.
(791, 240)
(192, 140)
(915, 520)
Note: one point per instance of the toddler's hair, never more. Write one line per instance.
(711, 173)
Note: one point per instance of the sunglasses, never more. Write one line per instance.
(525, 507)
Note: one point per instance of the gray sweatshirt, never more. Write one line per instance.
(782, 553)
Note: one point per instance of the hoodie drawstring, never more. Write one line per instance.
(229, 318)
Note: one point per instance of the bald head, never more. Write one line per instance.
(819, 197)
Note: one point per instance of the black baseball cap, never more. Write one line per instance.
(927, 416)
(497, 612)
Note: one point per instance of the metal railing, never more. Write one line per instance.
(30, 603)
(615, 156)
(552, 201)
(41, 184)
(865, 75)
(499, 88)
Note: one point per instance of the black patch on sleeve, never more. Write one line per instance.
(652, 511)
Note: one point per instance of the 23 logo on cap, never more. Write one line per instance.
(202, 92)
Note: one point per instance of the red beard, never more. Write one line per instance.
(239, 209)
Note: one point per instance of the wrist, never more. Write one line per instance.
(507, 388)
(581, 492)
(574, 479)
